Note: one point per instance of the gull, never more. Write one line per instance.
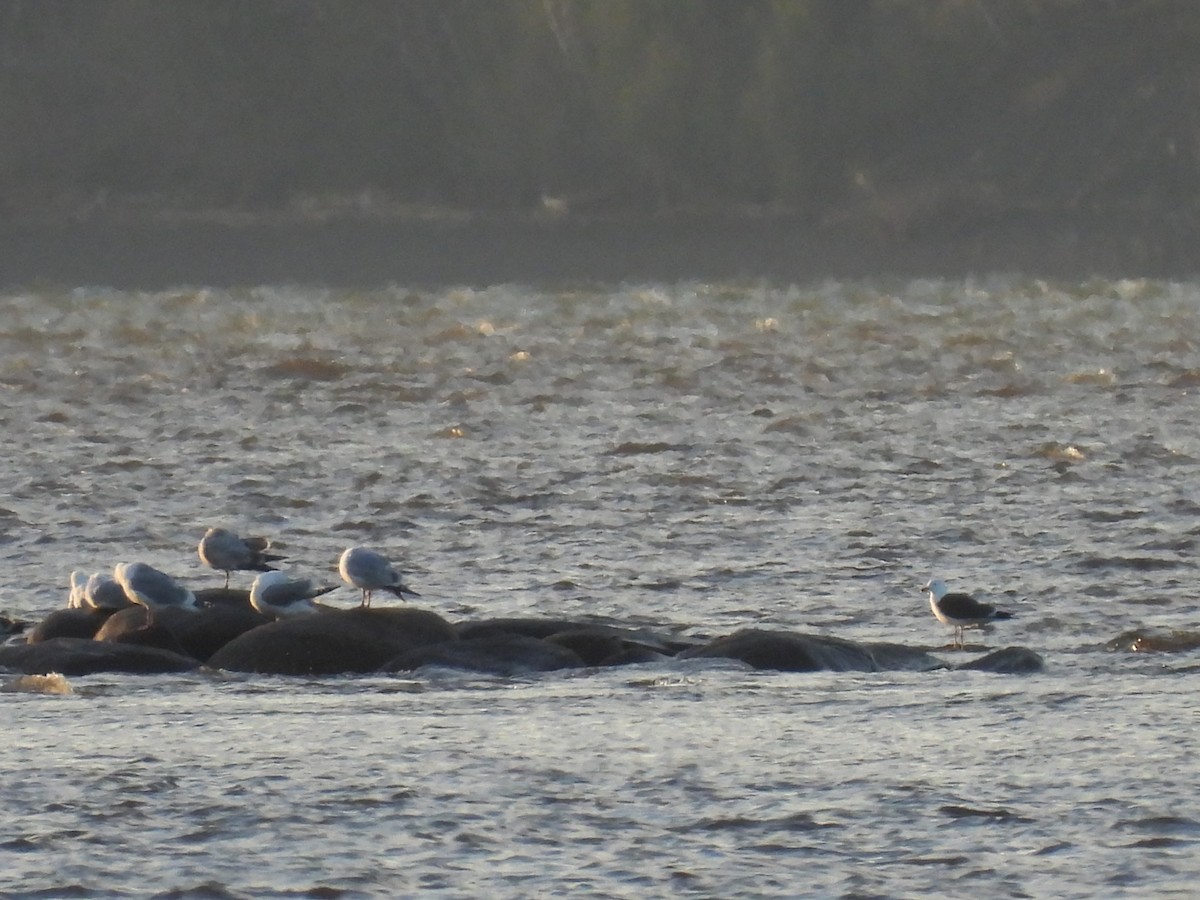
(367, 570)
(78, 584)
(152, 589)
(224, 551)
(103, 593)
(960, 610)
(277, 596)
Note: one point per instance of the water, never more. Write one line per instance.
(698, 457)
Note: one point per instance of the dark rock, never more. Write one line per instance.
(535, 628)
(10, 626)
(788, 651)
(337, 641)
(129, 626)
(196, 633)
(1008, 661)
(75, 623)
(223, 597)
(604, 646)
(1159, 640)
(500, 654)
(82, 656)
(594, 641)
(632, 655)
(591, 645)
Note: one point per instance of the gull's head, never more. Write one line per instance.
(936, 588)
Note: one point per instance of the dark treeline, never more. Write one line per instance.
(902, 110)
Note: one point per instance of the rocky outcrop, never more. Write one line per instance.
(230, 635)
(1008, 661)
(333, 642)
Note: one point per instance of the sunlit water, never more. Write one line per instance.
(697, 457)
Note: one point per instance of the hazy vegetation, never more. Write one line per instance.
(900, 110)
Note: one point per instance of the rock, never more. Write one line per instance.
(10, 626)
(337, 641)
(76, 623)
(788, 651)
(531, 627)
(500, 654)
(1158, 640)
(591, 645)
(594, 641)
(196, 633)
(223, 597)
(1008, 661)
(72, 656)
(632, 655)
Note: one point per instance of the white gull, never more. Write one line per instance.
(369, 571)
(155, 590)
(277, 596)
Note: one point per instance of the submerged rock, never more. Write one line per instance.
(633, 655)
(599, 644)
(1158, 640)
(898, 657)
(333, 642)
(1008, 661)
(82, 656)
(607, 648)
(788, 651)
(531, 627)
(499, 654)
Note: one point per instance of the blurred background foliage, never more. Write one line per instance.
(902, 111)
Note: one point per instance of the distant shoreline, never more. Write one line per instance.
(147, 253)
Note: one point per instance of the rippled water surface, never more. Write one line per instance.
(699, 457)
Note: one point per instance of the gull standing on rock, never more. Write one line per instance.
(224, 551)
(277, 596)
(960, 610)
(368, 571)
(153, 589)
